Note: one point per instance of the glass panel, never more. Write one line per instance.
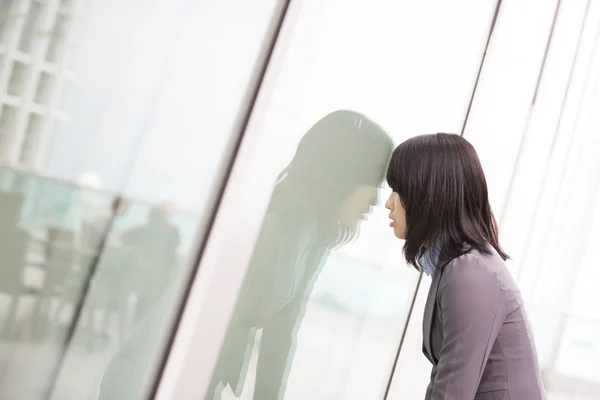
(521, 33)
(17, 82)
(34, 134)
(45, 88)
(322, 309)
(327, 189)
(8, 120)
(31, 29)
(543, 140)
(42, 265)
(578, 349)
(553, 187)
(8, 13)
(105, 200)
(58, 38)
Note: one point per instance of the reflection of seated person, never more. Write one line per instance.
(328, 187)
(12, 254)
(153, 248)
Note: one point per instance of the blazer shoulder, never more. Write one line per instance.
(474, 263)
(477, 268)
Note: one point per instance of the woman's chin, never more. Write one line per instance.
(399, 235)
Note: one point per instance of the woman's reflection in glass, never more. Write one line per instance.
(319, 199)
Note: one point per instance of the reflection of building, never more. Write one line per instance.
(33, 41)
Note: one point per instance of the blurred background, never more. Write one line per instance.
(120, 122)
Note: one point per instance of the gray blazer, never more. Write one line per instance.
(476, 334)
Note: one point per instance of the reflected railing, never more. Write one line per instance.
(572, 368)
(52, 232)
(568, 364)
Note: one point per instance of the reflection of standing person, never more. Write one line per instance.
(158, 235)
(154, 247)
(328, 187)
(475, 329)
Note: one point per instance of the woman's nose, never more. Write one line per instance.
(389, 203)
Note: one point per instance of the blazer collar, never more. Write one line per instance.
(430, 307)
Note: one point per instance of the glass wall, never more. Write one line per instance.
(537, 129)
(117, 123)
(534, 126)
(325, 298)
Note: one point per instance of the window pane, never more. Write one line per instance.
(550, 217)
(521, 33)
(8, 119)
(8, 15)
(31, 30)
(319, 316)
(58, 38)
(114, 140)
(17, 82)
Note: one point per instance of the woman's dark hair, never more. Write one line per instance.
(443, 190)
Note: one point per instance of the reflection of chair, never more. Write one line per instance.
(60, 257)
(13, 242)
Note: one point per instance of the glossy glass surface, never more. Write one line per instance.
(320, 316)
(117, 122)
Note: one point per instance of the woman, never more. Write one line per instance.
(475, 329)
(320, 197)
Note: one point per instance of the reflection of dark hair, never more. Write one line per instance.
(442, 187)
(341, 152)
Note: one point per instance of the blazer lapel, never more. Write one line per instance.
(430, 306)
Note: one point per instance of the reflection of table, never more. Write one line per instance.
(13, 244)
